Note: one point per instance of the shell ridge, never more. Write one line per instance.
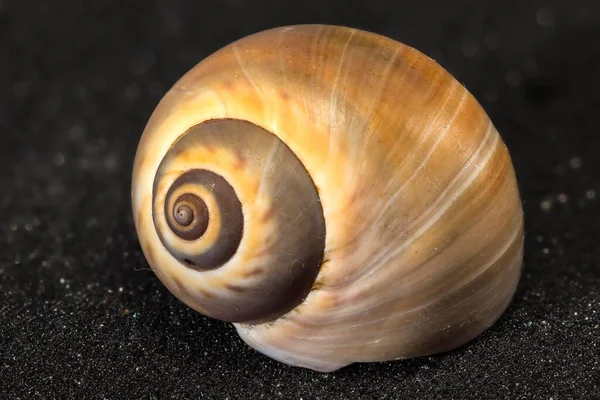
(422, 137)
(244, 70)
(365, 123)
(439, 212)
(377, 221)
(441, 135)
(461, 284)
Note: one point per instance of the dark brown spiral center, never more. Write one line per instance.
(190, 217)
(184, 215)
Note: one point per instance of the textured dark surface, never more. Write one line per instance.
(82, 316)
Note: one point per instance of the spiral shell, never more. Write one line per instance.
(336, 195)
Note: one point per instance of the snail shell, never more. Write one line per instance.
(336, 195)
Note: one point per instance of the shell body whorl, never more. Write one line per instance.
(379, 216)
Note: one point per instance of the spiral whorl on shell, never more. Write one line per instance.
(336, 194)
(232, 203)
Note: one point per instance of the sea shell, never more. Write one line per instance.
(337, 195)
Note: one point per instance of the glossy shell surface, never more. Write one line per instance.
(423, 228)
